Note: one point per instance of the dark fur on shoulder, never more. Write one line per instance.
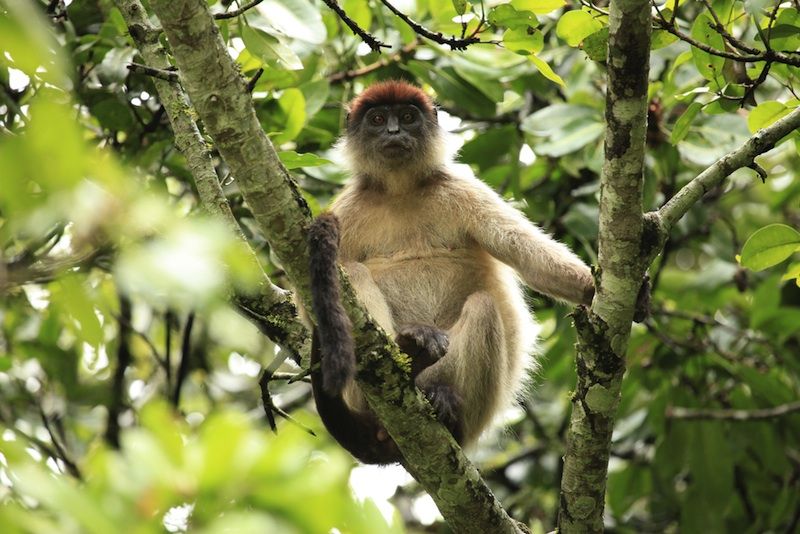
(334, 330)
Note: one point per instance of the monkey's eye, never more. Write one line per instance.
(407, 117)
(377, 120)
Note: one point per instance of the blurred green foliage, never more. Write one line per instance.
(98, 210)
(223, 476)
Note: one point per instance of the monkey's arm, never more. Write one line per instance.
(544, 264)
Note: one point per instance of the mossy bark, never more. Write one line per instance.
(270, 308)
(219, 96)
(603, 330)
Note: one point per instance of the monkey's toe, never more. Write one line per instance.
(447, 404)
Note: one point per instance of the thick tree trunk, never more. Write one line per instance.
(603, 331)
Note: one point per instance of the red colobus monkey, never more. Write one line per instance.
(431, 252)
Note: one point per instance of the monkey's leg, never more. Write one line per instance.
(465, 385)
(370, 295)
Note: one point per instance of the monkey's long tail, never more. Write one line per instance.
(334, 330)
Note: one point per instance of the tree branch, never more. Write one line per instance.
(603, 332)
(767, 55)
(236, 12)
(162, 74)
(372, 42)
(733, 415)
(720, 28)
(118, 380)
(339, 77)
(453, 42)
(184, 365)
(762, 141)
(59, 451)
(47, 269)
(219, 95)
(270, 308)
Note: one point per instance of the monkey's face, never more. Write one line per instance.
(393, 133)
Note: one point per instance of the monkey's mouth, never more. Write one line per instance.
(395, 148)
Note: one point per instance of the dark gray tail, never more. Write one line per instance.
(334, 330)
(333, 353)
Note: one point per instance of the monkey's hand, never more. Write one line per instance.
(642, 310)
(424, 343)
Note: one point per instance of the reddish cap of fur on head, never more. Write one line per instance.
(388, 93)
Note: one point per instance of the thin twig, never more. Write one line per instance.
(761, 142)
(290, 377)
(168, 320)
(749, 94)
(254, 80)
(593, 7)
(266, 400)
(10, 98)
(184, 367)
(371, 41)
(397, 57)
(59, 450)
(720, 28)
(236, 12)
(733, 415)
(118, 380)
(292, 420)
(767, 55)
(453, 42)
(162, 74)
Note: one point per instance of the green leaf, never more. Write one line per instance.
(297, 19)
(113, 114)
(709, 66)
(73, 299)
(540, 7)
(596, 45)
(506, 15)
(316, 94)
(573, 138)
(765, 114)
(769, 246)
(574, 26)
(460, 6)
(293, 105)
(359, 11)
(269, 48)
(293, 160)
(523, 40)
(661, 38)
(548, 120)
(489, 148)
(546, 71)
(452, 88)
(684, 122)
(785, 33)
(25, 37)
(792, 273)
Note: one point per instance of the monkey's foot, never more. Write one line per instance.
(424, 343)
(446, 403)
